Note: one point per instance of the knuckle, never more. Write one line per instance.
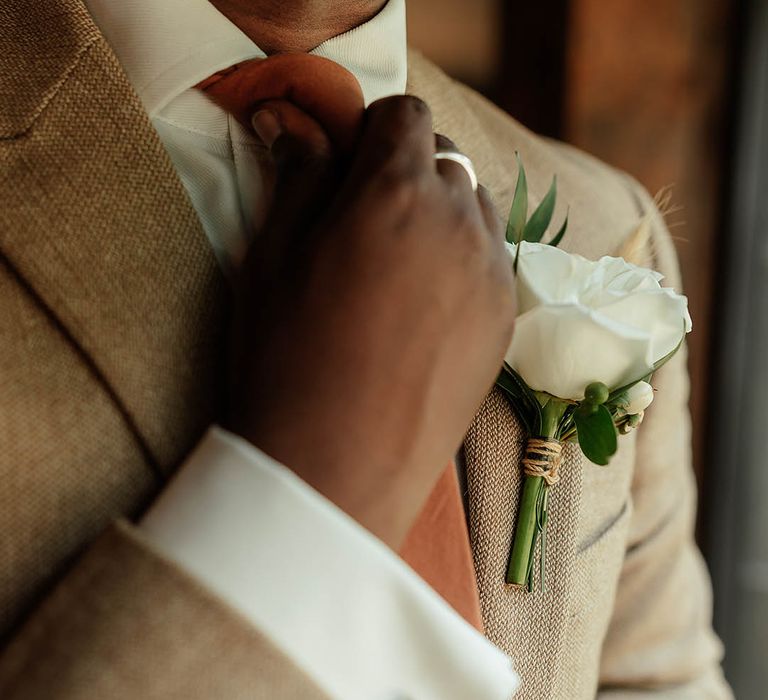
(392, 158)
(408, 106)
(399, 110)
(399, 188)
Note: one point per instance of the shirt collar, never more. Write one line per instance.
(168, 46)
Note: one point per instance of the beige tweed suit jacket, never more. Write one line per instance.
(111, 316)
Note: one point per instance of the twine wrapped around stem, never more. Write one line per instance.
(543, 457)
(541, 469)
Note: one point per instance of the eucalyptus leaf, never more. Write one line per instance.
(597, 434)
(541, 218)
(559, 235)
(519, 211)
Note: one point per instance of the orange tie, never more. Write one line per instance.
(438, 549)
(437, 546)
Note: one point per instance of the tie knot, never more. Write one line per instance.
(318, 87)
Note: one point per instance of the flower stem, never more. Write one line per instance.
(524, 541)
(531, 519)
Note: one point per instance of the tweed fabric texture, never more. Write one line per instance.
(97, 223)
(128, 625)
(68, 463)
(111, 316)
(519, 622)
(26, 88)
(114, 303)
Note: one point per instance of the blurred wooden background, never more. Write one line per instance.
(642, 84)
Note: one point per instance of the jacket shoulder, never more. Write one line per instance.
(605, 205)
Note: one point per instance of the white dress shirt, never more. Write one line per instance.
(321, 587)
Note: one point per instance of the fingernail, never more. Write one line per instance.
(267, 126)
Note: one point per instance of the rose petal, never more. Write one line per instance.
(562, 349)
(582, 321)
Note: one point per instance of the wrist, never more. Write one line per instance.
(383, 493)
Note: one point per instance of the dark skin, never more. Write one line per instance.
(296, 25)
(373, 313)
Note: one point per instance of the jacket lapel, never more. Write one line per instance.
(98, 227)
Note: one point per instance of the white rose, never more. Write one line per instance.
(581, 321)
(637, 398)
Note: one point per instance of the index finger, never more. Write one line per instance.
(397, 135)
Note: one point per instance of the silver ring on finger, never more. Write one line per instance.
(464, 161)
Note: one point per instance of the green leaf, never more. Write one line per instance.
(519, 408)
(559, 235)
(526, 411)
(598, 437)
(566, 424)
(519, 211)
(523, 399)
(540, 219)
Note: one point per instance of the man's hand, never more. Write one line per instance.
(373, 315)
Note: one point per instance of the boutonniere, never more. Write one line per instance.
(588, 338)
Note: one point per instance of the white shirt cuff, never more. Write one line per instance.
(337, 600)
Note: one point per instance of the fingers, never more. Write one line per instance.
(292, 136)
(493, 221)
(398, 141)
(305, 172)
(443, 143)
(450, 171)
(316, 85)
(397, 136)
(454, 174)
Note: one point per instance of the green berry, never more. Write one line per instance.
(596, 393)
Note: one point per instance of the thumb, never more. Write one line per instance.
(297, 142)
(305, 175)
